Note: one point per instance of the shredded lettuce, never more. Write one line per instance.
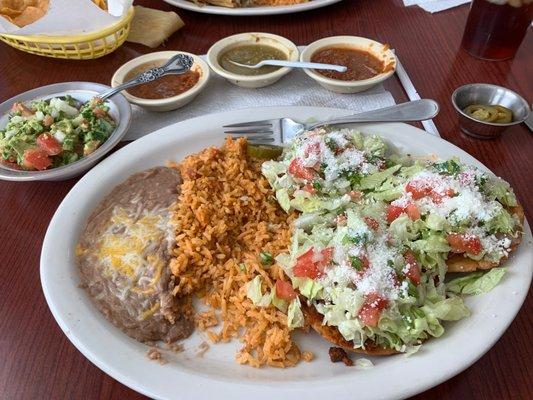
(500, 189)
(363, 363)
(307, 287)
(450, 309)
(282, 195)
(375, 180)
(476, 282)
(435, 222)
(401, 229)
(313, 204)
(280, 304)
(374, 145)
(254, 292)
(295, 317)
(501, 222)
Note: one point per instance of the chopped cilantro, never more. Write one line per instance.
(332, 145)
(356, 263)
(357, 239)
(317, 185)
(449, 167)
(353, 177)
(266, 258)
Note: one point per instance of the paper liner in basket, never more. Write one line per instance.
(70, 17)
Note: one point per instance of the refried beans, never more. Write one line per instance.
(123, 257)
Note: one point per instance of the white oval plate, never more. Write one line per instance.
(188, 376)
(207, 9)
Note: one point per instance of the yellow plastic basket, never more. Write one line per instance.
(76, 47)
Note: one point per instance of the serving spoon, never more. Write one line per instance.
(177, 65)
(294, 64)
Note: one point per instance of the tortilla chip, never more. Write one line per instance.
(461, 263)
(101, 3)
(23, 12)
(28, 16)
(9, 12)
(332, 334)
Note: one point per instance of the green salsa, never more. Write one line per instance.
(251, 54)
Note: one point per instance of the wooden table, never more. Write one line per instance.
(36, 359)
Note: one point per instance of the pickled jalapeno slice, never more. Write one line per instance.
(504, 115)
(487, 113)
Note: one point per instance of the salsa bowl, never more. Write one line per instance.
(119, 110)
(380, 51)
(167, 103)
(252, 81)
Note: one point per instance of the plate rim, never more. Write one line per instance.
(249, 11)
(140, 387)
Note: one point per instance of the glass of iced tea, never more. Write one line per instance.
(495, 28)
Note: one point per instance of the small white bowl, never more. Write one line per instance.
(379, 50)
(252, 81)
(169, 103)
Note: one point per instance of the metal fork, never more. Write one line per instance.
(279, 131)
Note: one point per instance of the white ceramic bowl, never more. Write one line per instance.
(119, 109)
(256, 81)
(379, 50)
(169, 103)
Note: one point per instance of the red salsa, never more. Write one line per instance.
(165, 87)
(361, 64)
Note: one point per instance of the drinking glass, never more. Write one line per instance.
(495, 28)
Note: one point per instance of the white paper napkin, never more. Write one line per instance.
(433, 6)
(70, 17)
(296, 88)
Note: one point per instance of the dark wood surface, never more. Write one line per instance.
(36, 359)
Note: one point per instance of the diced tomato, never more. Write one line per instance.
(284, 290)
(393, 212)
(48, 120)
(464, 243)
(412, 211)
(371, 309)
(297, 169)
(436, 197)
(365, 261)
(49, 144)
(413, 272)
(372, 223)
(36, 159)
(341, 219)
(308, 265)
(99, 112)
(355, 194)
(327, 255)
(309, 188)
(449, 192)
(305, 267)
(418, 189)
(22, 109)
(313, 148)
